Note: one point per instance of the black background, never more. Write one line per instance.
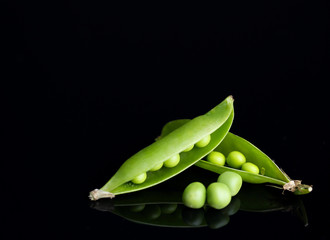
(89, 84)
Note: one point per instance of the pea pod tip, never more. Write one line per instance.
(230, 98)
(97, 194)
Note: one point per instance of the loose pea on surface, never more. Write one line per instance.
(204, 141)
(236, 159)
(194, 195)
(216, 158)
(250, 167)
(172, 161)
(140, 178)
(218, 195)
(232, 180)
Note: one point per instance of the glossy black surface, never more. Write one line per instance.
(91, 84)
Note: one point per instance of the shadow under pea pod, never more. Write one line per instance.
(164, 208)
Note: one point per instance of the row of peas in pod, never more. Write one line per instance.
(235, 159)
(217, 195)
(172, 161)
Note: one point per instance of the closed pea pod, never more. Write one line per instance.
(215, 123)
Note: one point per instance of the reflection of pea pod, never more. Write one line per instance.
(163, 215)
(260, 198)
(165, 208)
(215, 123)
(270, 172)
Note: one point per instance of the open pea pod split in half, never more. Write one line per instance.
(270, 172)
(216, 123)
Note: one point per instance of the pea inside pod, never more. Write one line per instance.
(215, 123)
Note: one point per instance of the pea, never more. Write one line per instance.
(250, 167)
(140, 178)
(232, 180)
(194, 195)
(218, 195)
(235, 159)
(157, 167)
(216, 158)
(172, 161)
(189, 148)
(204, 141)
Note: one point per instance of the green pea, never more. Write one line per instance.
(235, 159)
(188, 148)
(232, 180)
(172, 161)
(194, 195)
(216, 158)
(250, 167)
(157, 167)
(204, 141)
(218, 195)
(140, 178)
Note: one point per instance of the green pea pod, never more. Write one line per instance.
(216, 123)
(271, 173)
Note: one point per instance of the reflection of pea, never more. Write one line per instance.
(137, 208)
(233, 206)
(168, 208)
(193, 217)
(216, 218)
(152, 211)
